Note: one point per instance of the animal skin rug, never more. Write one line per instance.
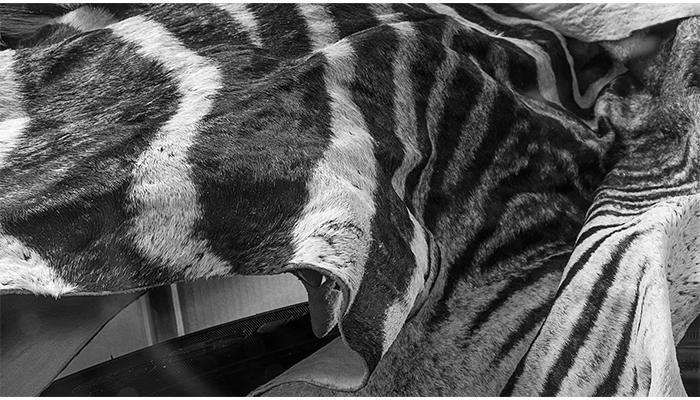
(363, 251)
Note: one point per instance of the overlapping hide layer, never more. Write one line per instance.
(605, 21)
(632, 286)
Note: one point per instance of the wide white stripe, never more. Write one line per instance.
(163, 194)
(320, 24)
(246, 19)
(682, 258)
(334, 231)
(546, 80)
(670, 287)
(404, 106)
(22, 268)
(13, 120)
(87, 18)
(10, 131)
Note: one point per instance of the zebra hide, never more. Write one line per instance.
(451, 184)
(632, 285)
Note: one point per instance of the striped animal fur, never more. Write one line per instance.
(632, 285)
(425, 170)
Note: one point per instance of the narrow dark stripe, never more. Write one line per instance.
(507, 390)
(584, 325)
(611, 383)
(464, 90)
(461, 266)
(666, 169)
(549, 227)
(583, 260)
(498, 128)
(659, 180)
(282, 29)
(592, 231)
(655, 195)
(648, 184)
(626, 174)
(623, 203)
(633, 205)
(423, 71)
(514, 286)
(611, 213)
(531, 321)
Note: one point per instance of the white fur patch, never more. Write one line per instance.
(681, 252)
(86, 18)
(22, 268)
(10, 131)
(162, 192)
(334, 231)
(245, 18)
(320, 23)
(13, 120)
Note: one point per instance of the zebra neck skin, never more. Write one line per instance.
(632, 286)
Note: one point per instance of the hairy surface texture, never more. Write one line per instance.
(425, 170)
(632, 285)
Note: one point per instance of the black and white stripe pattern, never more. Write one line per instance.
(632, 285)
(433, 162)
